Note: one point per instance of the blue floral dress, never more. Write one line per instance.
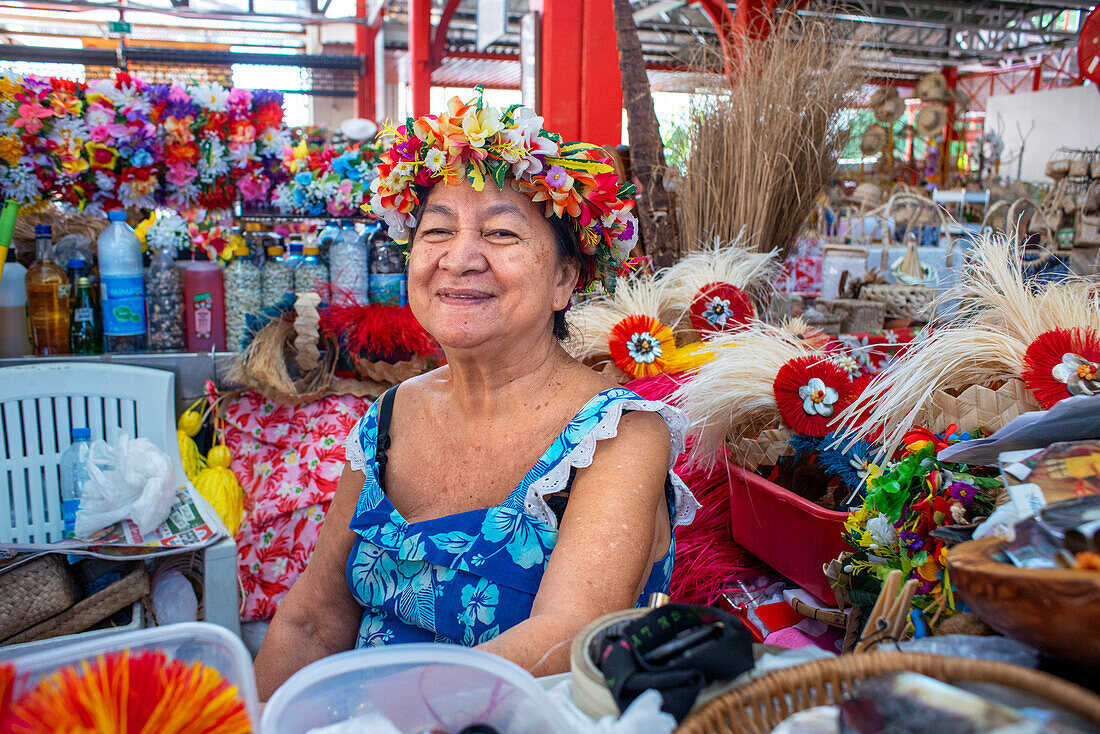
(465, 578)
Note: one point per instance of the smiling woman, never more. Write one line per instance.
(510, 497)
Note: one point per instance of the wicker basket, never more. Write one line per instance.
(764, 450)
(980, 407)
(87, 612)
(34, 591)
(902, 301)
(759, 706)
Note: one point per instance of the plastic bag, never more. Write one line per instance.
(132, 479)
(174, 599)
(642, 716)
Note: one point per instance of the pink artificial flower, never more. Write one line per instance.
(31, 116)
(181, 173)
(252, 188)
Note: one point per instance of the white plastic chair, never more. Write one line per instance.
(40, 404)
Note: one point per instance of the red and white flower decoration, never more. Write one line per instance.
(641, 346)
(1061, 363)
(720, 307)
(809, 392)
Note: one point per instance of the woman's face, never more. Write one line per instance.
(484, 266)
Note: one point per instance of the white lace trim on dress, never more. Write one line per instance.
(557, 478)
(353, 449)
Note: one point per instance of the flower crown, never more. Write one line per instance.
(481, 143)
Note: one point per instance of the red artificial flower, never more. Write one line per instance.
(1061, 363)
(641, 345)
(810, 393)
(720, 307)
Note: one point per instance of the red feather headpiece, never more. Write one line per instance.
(1061, 363)
(641, 345)
(810, 392)
(720, 307)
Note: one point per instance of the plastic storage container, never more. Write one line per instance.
(242, 294)
(14, 341)
(200, 642)
(164, 301)
(347, 261)
(814, 536)
(388, 280)
(418, 687)
(276, 277)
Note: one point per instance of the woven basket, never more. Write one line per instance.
(902, 301)
(34, 591)
(764, 450)
(759, 706)
(980, 407)
(94, 609)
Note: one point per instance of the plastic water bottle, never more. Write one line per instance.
(122, 286)
(347, 261)
(74, 475)
(327, 236)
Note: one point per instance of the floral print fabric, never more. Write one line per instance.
(288, 460)
(467, 577)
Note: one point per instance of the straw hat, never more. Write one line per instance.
(358, 128)
(867, 195)
(932, 86)
(874, 140)
(890, 109)
(931, 120)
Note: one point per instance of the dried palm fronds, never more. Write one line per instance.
(764, 143)
(717, 261)
(1000, 315)
(731, 397)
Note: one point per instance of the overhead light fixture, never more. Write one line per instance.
(657, 8)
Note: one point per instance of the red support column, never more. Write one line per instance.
(752, 20)
(420, 55)
(364, 49)
(1037, 80)
(947, 160)
(581, 86)
(720, 16)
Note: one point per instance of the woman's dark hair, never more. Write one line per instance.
(565, 238)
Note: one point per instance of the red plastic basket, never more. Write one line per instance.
(791, 534)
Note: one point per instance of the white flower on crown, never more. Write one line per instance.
(527, 144)
(435, 160)
(624, 224)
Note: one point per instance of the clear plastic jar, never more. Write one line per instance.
(164, 301)
(243, 294)
(347, 259)
(388, 281)
(311, 275)
(277, 277)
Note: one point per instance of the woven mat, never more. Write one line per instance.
(95, 608)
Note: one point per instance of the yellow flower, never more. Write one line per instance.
(9, 88)
(74, 165)
(479, 125)
(142, 230)
(11, 148)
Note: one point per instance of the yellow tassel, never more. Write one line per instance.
(186, 427)
(218, 485)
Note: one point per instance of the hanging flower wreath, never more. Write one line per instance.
(809, 392)
(720, 307)
(1061, 363)
(641, 346)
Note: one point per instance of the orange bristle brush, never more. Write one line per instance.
(127, 692)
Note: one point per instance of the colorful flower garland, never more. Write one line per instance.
(326, 181)
(122, 143)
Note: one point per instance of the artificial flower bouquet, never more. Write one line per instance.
(326, 180)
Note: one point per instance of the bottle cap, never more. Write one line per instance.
(312, 250)
(83, 280)
(42, 229)
(76, 263)
(274, 250)
(117, 216)
(241, 250)
(296, 247)
(79, 433)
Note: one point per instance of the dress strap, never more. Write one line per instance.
(382, 438)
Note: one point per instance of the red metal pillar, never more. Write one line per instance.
(1037, 80)
(581, 85)
(947, 160)
(420, 55)
(752, 19)
(364, 49)
(720, 16)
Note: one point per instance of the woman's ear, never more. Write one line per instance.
(567, 283)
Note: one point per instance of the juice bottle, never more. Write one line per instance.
(48, 293)
(86, 333)
(204, 305)
(122, 287)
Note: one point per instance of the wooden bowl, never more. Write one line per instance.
(1056, 611)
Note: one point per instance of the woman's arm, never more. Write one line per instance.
(319, 616)
(615, 518)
